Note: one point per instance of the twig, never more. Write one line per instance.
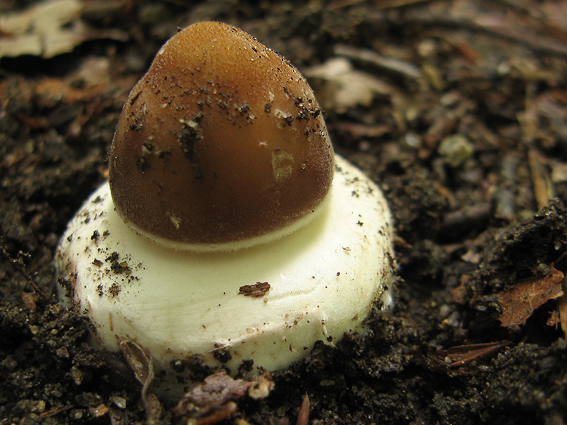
(543, 188)
(406, 69)
(523, 36)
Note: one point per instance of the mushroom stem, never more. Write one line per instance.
(323, 280)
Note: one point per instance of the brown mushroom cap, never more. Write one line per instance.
(222, 140)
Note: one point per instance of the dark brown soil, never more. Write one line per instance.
(468, 140)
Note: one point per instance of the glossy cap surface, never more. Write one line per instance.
(222, 140)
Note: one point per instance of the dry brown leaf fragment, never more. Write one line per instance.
(48, 29)
(340, 86)
(213, 400)
(217, 389)
(561, 312)
(527, 295)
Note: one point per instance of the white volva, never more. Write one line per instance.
(323, 280)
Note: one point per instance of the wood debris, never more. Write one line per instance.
(464, 354)
(258, 290)
(541, 181)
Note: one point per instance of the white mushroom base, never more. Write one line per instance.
(323, 281)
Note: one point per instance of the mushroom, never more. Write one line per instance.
(229, 231)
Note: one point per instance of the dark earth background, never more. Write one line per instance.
(456, 108)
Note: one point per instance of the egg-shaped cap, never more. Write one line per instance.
(221, 141)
